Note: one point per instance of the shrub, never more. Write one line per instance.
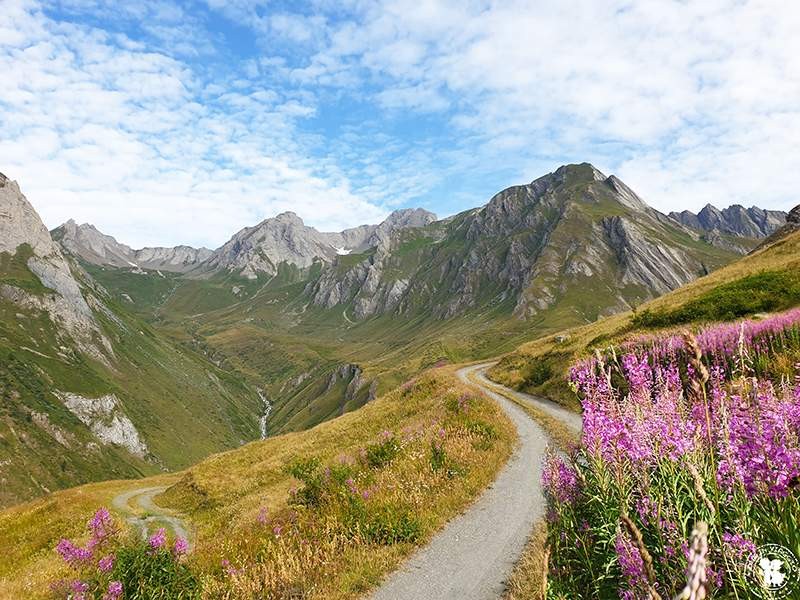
(382, 453)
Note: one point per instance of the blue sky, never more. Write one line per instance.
(166, 122)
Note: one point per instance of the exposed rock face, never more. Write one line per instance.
(656, 266)
(86, 242)
(530, 247)
(754, 222)
(106, 420)
(66, 304)
(791, 226)
(286, 239)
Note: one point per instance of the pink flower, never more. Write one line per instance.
(72, 554)
(114, 591)
(180, 547)
(158, 540)
(261, 519)
(229, 570)
(106, 564)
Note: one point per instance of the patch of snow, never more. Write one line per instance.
(343, 251)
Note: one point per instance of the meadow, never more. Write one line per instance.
(689, 461)
(324, 513)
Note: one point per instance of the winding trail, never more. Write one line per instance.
(473, 556)
(139, 509)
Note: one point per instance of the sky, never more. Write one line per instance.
(165, 122)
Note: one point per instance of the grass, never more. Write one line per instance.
(428, 449)
(767, 291)
(528, 581)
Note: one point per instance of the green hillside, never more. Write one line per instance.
(182, 406)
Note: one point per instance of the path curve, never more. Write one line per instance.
(475, 553)
(147, 512)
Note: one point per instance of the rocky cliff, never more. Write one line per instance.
(24, 236)
(791, 226)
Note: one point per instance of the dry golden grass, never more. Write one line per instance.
(529, 579)
(316, 552)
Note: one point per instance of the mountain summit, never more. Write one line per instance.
(286, 239)
(532, 248)
(89, 244)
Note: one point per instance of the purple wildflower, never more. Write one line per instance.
(106, 564)
(560, 481)
(114, 591)
(72, 554)
(180, 547)
(158, 540)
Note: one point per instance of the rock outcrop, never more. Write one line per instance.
(104, 417)
(791, 226)
(21, 229)
(89, 244)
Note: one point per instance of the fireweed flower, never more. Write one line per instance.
(106, 564)
(560, 481)
(180, 547)
(630, 560)
(114, 591)
(158, 540)
(262, 516)
(102, 526)
(72, 554)
(738, 547)
(78, 589)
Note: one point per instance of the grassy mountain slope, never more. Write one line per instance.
(766, 281)
(182, 406)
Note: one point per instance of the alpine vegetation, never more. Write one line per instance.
(690, 461)
(112, 566)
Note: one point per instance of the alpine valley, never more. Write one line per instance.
(117, 363)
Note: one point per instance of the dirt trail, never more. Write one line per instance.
(139, 509)
(473, 556)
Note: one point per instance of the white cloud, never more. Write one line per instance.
(691, 101)
(168, 136)
(139, 144)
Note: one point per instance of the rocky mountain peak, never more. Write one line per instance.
(3, 180)
(64, 301)
(88, 243)
(288, 217)
(736, 220)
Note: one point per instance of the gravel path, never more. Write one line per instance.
(146, 515)
(473, 556)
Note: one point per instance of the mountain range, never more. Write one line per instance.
(110, 350)
(736, 227)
